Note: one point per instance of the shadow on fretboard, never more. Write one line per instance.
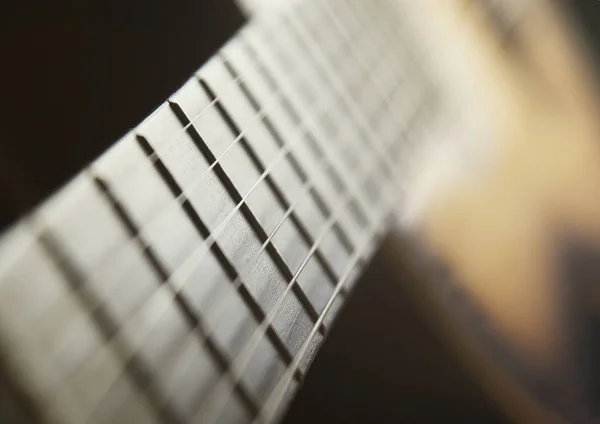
(384, 363)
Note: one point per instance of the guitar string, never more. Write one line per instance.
(193, 185)
(198, 254)
(188, 188)
(297, 139)
(214, 404)
(177, 271)
(248, 351)
(174, 277)
(270, 408)
(364, 142)
(348, 125)
(320, 55)
(291, 208)
(174, 273)
(273, 403)
(6, 263)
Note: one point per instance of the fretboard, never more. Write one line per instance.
(191, 272)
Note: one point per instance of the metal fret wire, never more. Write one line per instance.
(365, 143)
(271, 102)
(236, 282)
(182, 273)
(215, 406)
(319, 154)
(174, 138)
(275, 309)
(291, 75)
(218, 400)
(298, 166)
(351, 41)
(270, 408)
(178, 282)
(349, 102)
(309, 107)
(272, 405)
(247, 353)
(235, 83)
(389, 21)
(6, 264)
(239, 280)
(283, 152)
(305, 187)
(342, 31)
(393, 23)
(176, 271)
(302, 108)
(297, 138)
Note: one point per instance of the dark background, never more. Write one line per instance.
(586, 13)
(77, 75)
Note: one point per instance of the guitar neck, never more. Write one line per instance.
(190, 273)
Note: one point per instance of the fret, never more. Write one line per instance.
(364, 55)
(318, 196)
(255, 225)
(124, 166)
(277, 191)
(312, 214)
(319, 150)
(271, 407)
(107, 303)
(214, 404)
(191, 316)
(192, 271)
(327, 75)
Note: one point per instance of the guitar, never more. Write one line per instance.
(191, 272)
